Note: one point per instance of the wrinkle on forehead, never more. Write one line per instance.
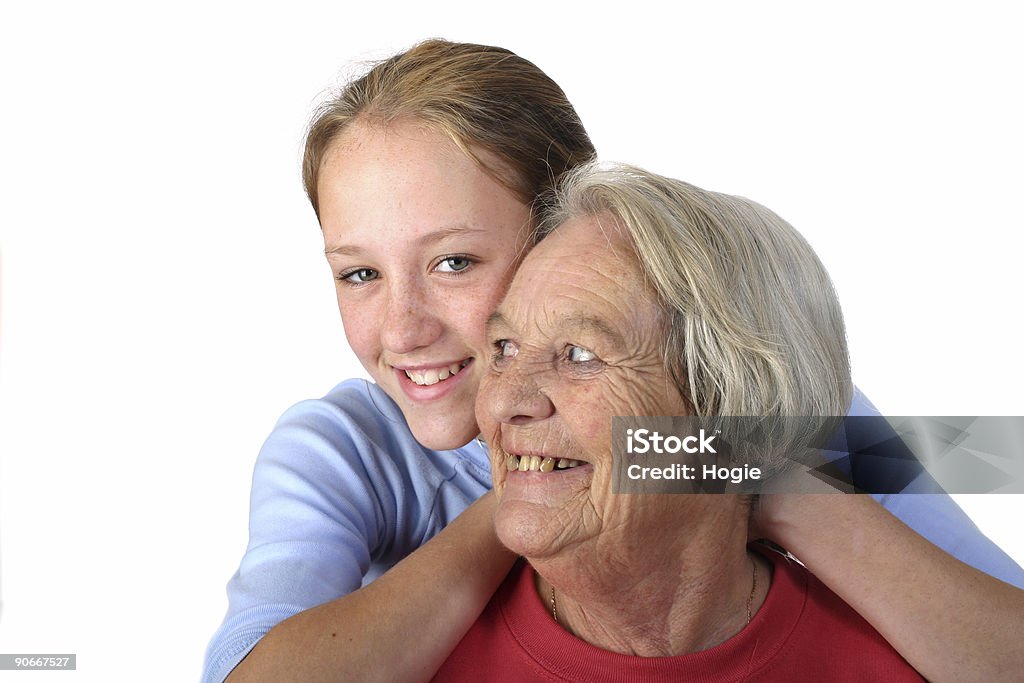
(583, 285)
(602, 229)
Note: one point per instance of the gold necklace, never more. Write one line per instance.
(753, 589)
(750, 598)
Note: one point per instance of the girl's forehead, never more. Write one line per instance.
(404, 183)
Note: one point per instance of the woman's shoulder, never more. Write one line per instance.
(817, 635)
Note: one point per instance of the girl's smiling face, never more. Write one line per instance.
(422, 242)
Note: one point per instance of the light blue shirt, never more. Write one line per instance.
(342, 491)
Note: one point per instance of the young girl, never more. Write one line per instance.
(423, 174)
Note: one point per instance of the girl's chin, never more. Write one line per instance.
(443, 433)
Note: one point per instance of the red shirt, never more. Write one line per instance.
(803, 632)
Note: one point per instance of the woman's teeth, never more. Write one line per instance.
(425, 378)
(535, 463)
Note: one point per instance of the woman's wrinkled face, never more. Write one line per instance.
(422, 243)
(576, 342)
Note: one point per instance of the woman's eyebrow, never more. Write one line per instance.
(426, 239)
(570, 322)
(495, 320)
(583, 322)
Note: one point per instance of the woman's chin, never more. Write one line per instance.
(528, 529)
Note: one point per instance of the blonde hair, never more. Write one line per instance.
(481, 96)
(755, 326)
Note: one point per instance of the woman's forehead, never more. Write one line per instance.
(582, 275)
(587, 247)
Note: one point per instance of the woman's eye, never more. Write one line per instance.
(578, 354)
(359, 275)
(506, 349)
(453, 264)
(503, 348)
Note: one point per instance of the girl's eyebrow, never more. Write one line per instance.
(426, 239)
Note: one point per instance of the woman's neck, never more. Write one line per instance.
(657, 602)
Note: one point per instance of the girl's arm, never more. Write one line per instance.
(949, 620)
(400, 627)
(340, 489)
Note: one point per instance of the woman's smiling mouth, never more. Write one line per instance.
(537, 463)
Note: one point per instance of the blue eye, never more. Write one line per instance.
(453, 264)
(578, 354)
(359, 275)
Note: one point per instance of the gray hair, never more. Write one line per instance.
(754, 326)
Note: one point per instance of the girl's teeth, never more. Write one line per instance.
(426, 378)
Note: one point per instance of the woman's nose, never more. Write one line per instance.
(411, 319)
(514, 395)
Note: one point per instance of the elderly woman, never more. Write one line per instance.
(653, 297)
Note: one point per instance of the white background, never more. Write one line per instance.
(164, 297)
